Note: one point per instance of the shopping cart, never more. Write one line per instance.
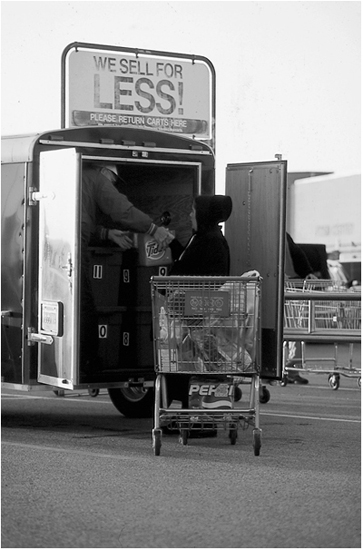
(321, 311)
(208, 328)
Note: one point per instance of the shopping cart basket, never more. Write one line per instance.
(321, 311)
(209, 328)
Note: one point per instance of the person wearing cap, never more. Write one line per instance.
(205, 254)
(102, 201)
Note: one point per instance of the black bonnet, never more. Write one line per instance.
(211, 210)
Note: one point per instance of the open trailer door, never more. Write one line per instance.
(58, 279)
(256, 236)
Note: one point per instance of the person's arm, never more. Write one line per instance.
(116, 205)
(122, 211)
(121, 238)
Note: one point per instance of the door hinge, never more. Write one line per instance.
(33, 196)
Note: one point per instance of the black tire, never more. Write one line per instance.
(256, 442)
(93, 392)
(264, 395)
(183, 436)
(156, 441)
(233, 436)
(237, 394)
(334, 381)
(133, 402)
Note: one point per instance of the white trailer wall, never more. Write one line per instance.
(327, 210)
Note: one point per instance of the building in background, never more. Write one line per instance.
(326, 209)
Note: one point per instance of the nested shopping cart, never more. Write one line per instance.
(320, 311)
(207, 328)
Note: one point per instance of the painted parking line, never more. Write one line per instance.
(306, 417)
(80, 399)
(68, 451)
(100, 401)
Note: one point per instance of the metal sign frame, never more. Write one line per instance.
(191, 127)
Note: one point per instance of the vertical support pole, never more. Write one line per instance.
(335, 355)
(284, 357)
(303, 355)
(257, 383)
(351, 350)
(164, 392)
(311, 316)
(157, 402)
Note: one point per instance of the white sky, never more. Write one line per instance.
(288, 73)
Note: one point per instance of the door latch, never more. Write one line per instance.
(34, 337)
(69, 266)
(36, 196)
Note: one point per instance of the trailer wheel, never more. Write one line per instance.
(237, 393)
(93, 392)
(133, 402)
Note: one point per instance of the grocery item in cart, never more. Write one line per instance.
(208, 330)
(219, 348)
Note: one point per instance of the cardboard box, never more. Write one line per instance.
(105, 274)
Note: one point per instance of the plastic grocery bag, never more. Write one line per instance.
(228, 343)
(188, 355)
(215, 352)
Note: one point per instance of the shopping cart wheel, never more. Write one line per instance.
(359, 383)
(156, 438)
(93, 392)
(256, 441)
(334, 381)
(283, 381)
(233, 436)
(264, 395)
(183, 438)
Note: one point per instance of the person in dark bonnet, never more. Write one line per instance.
(207, 251)
(206, 254)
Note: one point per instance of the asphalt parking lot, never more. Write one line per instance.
(77, 474)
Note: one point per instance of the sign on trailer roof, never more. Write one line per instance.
(107, 85)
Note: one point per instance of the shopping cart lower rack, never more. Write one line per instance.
(209, 329)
